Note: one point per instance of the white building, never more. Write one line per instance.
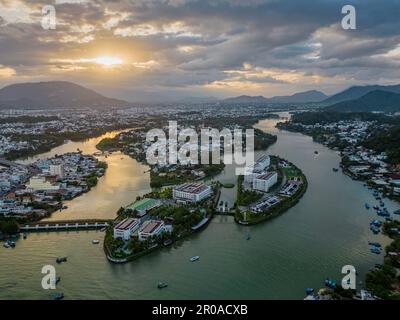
(125, 228)
(150, 228)
(191, 192)
(250, 172)
(265, 181)
(40, 183)
(262, 163)
(56, 170)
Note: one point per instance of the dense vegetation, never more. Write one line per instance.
(8, 226)
(386, 141)
(28, 119)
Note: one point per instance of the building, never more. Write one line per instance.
(262, 163)
(40, 183)
(259, 167)
(56, 170)
(150, 228)
(191, 192)
(143, 206)
(125, 228)
(265, 181)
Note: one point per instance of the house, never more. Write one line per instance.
(125, 228)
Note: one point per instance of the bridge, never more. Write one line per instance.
(7, 163)
(66, 225)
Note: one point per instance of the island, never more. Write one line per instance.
(159, 219)
(270, 187)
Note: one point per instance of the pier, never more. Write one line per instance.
(66, 225)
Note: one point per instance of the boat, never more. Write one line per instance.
(6, 245)
(376, 250)
(367, 206)
(58, 279)
(61, 259)
(376, 207)
(330, 283)
(248, 237)
(95, 241)
(315, 152)
(375, 244)
(58, 296)
(64, 207)
(11, 244)
(194, 258)
(335, 169)
(168, 242)
(25, 235)
(162, 285)
(309, 291)
(381, 204)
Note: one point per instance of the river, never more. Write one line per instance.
(327, 229)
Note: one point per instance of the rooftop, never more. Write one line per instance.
(127, 224)
(150, 226)
(191, 187)
(142, 204)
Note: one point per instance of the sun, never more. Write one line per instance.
(108, 61)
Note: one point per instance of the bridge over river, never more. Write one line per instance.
(66, 225)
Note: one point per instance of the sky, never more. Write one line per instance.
(161, 50)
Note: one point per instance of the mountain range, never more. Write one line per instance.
(377, 100)
(301, 97)
(53, 95)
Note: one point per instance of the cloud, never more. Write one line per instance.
(220, 47)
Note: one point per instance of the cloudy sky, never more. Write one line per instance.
(163, 49)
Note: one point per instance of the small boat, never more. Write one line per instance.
(162, 285)
(64, 207)
(330, 283)
(315, 152)
(25, 235)
(376, 207)
(11, 243)
(6, 245)
(248, 237)
(375, 244)
(58, 296)
(309, 291)
(61, 259)
(58, 279)
(367, 206)
(168, 242)
(195, 258)
(381, 204)
(335, 169)
(95, 241)
(376, 250)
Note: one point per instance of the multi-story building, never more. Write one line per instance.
(150, 228)
(191, 192)
(125, 228)
(40, 183)
(265, 181)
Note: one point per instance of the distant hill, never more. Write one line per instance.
(246, 99)
(377, 100)
(301, 97)
(53, 95)
(356, 92)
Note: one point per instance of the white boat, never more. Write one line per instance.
(95, 241)
(195, 258)
(6, 245)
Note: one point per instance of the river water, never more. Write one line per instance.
(327, 229)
